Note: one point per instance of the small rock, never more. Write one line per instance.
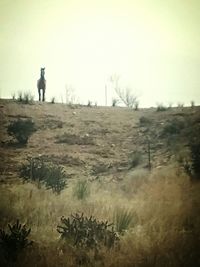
(159, 167)
(74, 112)
(112, 145)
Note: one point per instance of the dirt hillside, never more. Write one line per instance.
(104, 143)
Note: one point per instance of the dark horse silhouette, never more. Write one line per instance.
(41, 84)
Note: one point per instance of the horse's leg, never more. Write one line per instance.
(39, 94)
(43, 95)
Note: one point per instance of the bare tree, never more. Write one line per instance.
(125, 95)
(70, 97)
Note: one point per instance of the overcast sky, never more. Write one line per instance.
(153, 45)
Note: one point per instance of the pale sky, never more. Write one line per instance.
(153, 45)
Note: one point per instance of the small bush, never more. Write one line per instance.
(135, 159)
(192, 104)
(174, 127)
(87, 232)
(144, 120)
(25, 98)
(180, 105)
(21, 130)
(49, 174)
(53, 99)
(115, 101)
(20, 97)
(160, 107)
(195, 160)
(81, 189)
(89, 104)
(122, 219)
(14, 242)
(28, 98)
(136, 105)
(13, 96)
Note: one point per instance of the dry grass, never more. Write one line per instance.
(166, 233)
(165, 203)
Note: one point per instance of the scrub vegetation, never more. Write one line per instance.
(88, 198)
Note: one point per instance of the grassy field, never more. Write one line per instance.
(104, 152)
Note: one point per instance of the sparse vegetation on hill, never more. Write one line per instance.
(155, 211)
(24, 98)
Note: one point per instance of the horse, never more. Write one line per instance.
(41, 84)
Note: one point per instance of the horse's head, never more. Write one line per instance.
(42, 72)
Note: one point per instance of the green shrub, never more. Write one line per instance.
(134, 159)
(49, 174)
(123, 219)
(173, 127)
(14, 242)
(144, 120)
(195, 159)
(81, 189)
(87, 232)
(21, 130)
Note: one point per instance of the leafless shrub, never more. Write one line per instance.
(70, 96)
(127, 97)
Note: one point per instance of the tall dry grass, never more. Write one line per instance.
(166, 233)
